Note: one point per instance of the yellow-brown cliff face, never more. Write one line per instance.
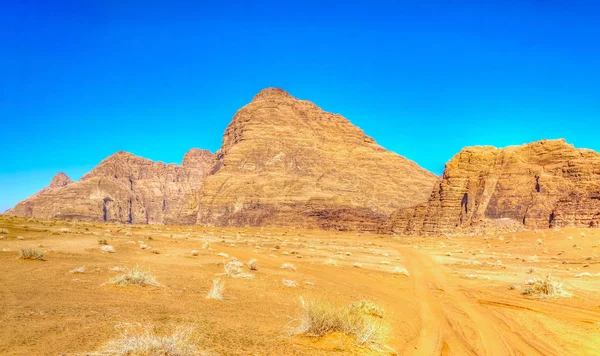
(539, 185)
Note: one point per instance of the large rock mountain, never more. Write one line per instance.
(285, 161)
(125, 188)
(538, 185)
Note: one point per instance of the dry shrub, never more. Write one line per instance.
(233, 268)
(102, 242)
(146, 340)
(367, 307)
(544, 288)
(135, 276)
(401, 271)
(107, 248)
(288, 266)
(320, 319)
(216, 291)
(290, 283)
(253, 264)
(78, 270)
(31, 254)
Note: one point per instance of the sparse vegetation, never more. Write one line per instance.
(216, 291)
(544, 288)
(149, 341)
(102, 242)
(288, 266)
(194, 252)
(4, 231)
(401, 270)
(135, 276)
(65, 230)
(253, 264)
(78, 270)
(107, 248)
(367, 307)
(233, 268)
(290, 283)
(320, 318)
(331, 262)
(31, 254)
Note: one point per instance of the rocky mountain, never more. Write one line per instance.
(283, 162)
(538, 185)
(287, 162)
(125, 188)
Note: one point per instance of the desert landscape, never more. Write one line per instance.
(303, 236)
(442, 296)
(332, 178)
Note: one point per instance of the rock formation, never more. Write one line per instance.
(285, 161)
(538, 185)
(125, 188)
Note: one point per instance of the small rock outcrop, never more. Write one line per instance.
(538, 185)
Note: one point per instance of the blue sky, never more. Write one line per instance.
(81, 80)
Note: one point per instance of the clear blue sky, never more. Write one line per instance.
(81, 80)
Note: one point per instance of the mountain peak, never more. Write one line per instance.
(272, 93)
(60, 180)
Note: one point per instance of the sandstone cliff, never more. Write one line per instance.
(125, 188)
(285, 161)
(538, 185)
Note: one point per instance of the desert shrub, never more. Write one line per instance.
(3, 231)
(194, 252)
(253, 264)
(233, 268)
(216, 291)
(367, 307)
(290, 283)
(107, 248)
(78, 270)
(206, 245)
(102, 242)
(31, 254)
(319, 319)
(357, 265)
(179, 341)
(135, 276)
(331, 262)
(223, 254)
(65, 230)
(401, 271)
(544, 288)
(288, 266)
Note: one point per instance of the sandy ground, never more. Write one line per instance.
(456, 300)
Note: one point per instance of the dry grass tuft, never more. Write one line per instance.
(253, 264)
(233, 268)
(108, 248)
(290, 283)
(320, 319)
(179, 341)
(4, 231)
(544, 288)
(216, 291)
(31, 254)
(401, 271)
(78, 270)
(102, 242)
(137, 277)
(288, 266)
(367, 307)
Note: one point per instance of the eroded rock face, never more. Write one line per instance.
(125, 188)
(285, 161)
(539, 185)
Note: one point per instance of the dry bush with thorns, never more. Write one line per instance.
(135, 276)
(544, 288)
(31, 254)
